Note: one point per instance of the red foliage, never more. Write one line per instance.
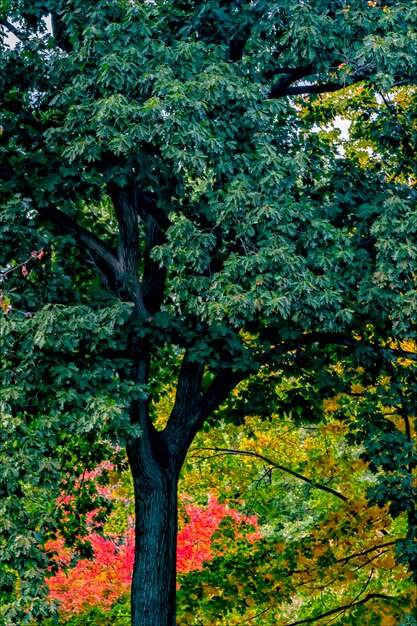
(101, 581)
(195, 537)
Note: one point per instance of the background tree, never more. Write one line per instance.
(200, 226)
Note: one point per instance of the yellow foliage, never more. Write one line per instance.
(330, 405)
(387, 561)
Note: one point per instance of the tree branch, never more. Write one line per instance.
(357, 554)
(283, 86)
(58, 33)
(155, 224)
(192, 408)
(279, 88)
(93, 243)
(340, 609)
(280, 467)
(182, 423)
(237, 45)
(313, 89)
(279, 347)
(128, 246)
(219, 390)
(12, 29)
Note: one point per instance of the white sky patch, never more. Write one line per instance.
(8, 38)
(343, 125)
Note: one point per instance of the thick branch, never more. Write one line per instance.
(219, 390)
(181, 427)
(139, 413)
(12, 29)
(58, 33)
(279, 88)
(93, 243)
(192, 408)
(279, 347)
(315, 89)
(283, 87)
(128, 246)
(155, 224)
(280, 467)
(237, 45)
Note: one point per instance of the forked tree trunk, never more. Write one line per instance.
(155, 459)
(153, 593)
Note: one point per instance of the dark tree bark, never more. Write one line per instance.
(155, 460)
(153, 592)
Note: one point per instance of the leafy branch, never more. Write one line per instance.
(280, 467)
(12, 29)
(357, 554)
(36, 254)
(341, 609)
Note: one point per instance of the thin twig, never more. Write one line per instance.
(340, 609)
(12, 268)
(280, 467)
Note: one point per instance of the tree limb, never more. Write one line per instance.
(237, 45)
(340, 609)
(93, 243)
(181, 426)
(290, 345)
(59, 35)
(357, 554)
(300, 90)
(12, 29)
(279, 88)
(128, 245)
(155, 224)
(283, 86)
(219, 390)
(192, 408)
(280, 467)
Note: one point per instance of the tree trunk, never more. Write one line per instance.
(155, 459)
(153, 599)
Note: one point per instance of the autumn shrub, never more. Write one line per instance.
(94, 591)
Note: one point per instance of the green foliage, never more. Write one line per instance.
(118, 615)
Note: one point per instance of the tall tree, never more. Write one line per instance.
(200, 222)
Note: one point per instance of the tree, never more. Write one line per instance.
(202, 223)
